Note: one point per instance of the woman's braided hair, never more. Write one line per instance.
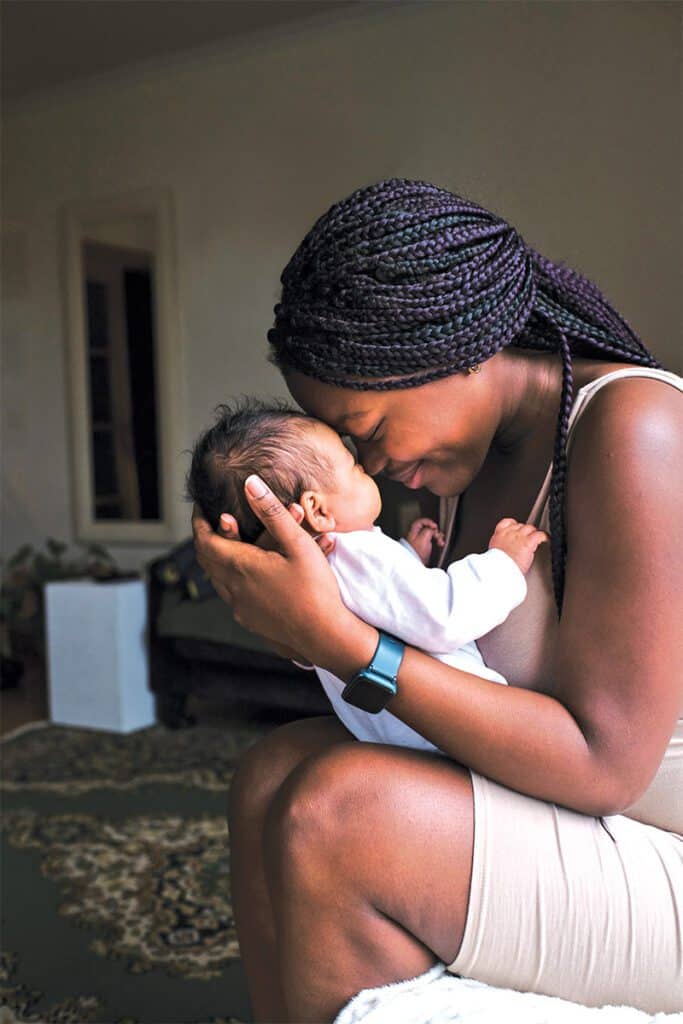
(405, 279)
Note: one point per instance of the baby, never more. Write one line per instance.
(385, 582)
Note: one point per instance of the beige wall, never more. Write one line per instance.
(563, 117)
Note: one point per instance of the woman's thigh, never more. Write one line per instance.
(557, 905)
(565, 905)
(387, 825)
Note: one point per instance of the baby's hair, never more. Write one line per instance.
(252, 436)
(405, 279)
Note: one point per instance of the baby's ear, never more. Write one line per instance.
(316, 512)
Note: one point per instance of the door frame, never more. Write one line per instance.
(144, 218)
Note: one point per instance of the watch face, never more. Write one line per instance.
(369, 693)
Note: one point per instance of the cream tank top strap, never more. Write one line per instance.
(521, 648)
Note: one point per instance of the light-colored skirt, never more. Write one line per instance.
(589, 909)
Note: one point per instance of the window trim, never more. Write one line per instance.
(77, 222)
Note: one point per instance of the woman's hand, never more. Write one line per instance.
(287, 594)
(229, 529)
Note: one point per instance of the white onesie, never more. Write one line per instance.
(441, 611)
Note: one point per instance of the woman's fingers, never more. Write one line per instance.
(199, 524)
(296, 512)
(325, 543)
(218, 556)
(228, 527)
(268, 543)
(220, 560)
(203, 535)
(222, 591)
(277, 520)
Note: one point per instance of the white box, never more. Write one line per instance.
(97, 654)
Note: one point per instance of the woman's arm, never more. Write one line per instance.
(595, 745)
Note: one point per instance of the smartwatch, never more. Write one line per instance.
(373, 687)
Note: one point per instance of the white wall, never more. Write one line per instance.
(563, 117)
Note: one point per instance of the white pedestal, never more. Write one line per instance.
(97, 655)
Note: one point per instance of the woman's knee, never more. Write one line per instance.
(310, 809)
(352, 803)
(327, 803)
(390, 826)
(263, 768)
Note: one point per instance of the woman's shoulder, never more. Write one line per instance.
(628, 440)
(632, 405)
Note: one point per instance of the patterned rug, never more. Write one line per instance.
(115, 877)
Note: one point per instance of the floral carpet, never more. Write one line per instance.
(115, 877)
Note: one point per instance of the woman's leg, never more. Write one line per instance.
(258, 777)
(368, 852)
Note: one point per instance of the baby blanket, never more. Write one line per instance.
(438, 997)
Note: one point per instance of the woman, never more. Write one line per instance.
(546, 853)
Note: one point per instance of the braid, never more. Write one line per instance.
(558, 542)
(405, 279)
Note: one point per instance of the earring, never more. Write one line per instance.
(474, 369)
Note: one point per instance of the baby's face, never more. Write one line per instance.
(351, 498)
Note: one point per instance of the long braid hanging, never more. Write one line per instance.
(558, 538)
(407, 279)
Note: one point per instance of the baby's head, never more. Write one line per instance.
(301, 459)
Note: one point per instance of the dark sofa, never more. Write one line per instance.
(196, 646)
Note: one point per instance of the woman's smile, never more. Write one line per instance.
(410, 475)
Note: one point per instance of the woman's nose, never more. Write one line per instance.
(372, 460)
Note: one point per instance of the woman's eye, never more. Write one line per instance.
(372, 436)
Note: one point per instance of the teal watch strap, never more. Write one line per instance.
(373, 687)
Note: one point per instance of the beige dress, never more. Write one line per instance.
(589, 909)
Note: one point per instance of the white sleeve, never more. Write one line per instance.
(435, 609)
(409, 547)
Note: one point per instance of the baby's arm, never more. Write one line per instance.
(435, 609)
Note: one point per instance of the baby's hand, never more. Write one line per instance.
(421, 535)
(518, 540)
